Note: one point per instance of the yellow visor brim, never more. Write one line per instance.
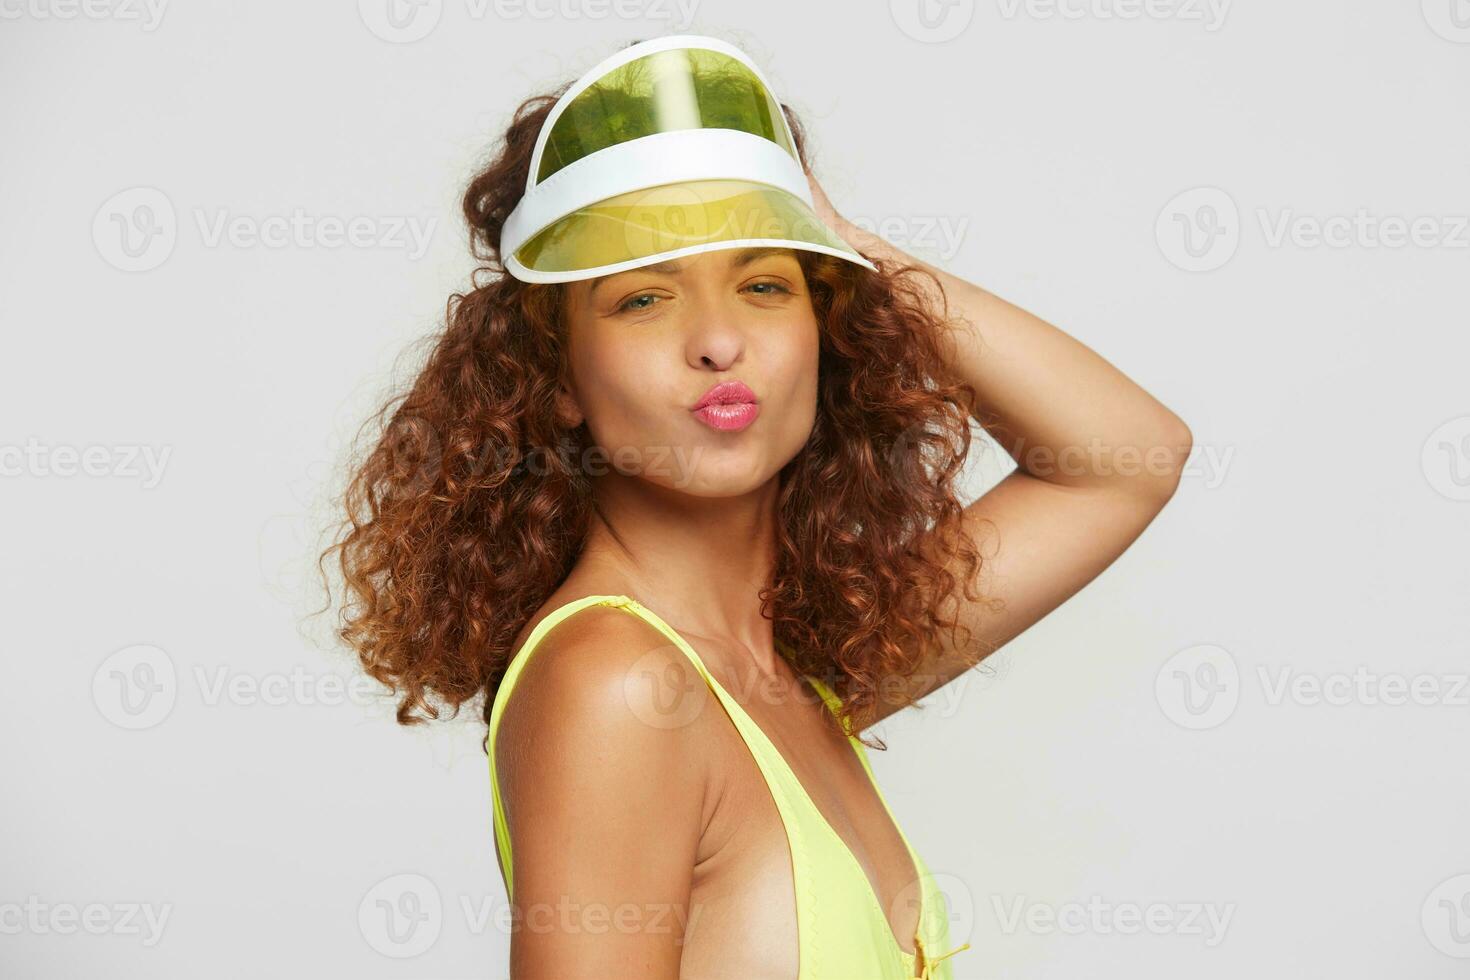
(651, 225)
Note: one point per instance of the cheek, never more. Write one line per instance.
(793, 378)
(620, 387)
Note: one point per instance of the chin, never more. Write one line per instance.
(706, 471)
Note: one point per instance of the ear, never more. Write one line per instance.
(568, 411)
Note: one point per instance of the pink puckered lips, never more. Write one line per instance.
(728, 406)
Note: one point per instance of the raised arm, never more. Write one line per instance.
(1098, 457)
(603, 790)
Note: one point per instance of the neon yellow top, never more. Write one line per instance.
(842, 932)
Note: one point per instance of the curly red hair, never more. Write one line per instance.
(467, 509)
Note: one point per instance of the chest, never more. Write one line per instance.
(749, 857)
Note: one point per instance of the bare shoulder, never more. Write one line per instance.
(612, 667)
(602, 763)
(604, 692)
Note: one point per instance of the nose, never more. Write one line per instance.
(715, 340)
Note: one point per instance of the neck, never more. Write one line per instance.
(699, 561)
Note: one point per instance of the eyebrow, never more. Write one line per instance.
(743, 257)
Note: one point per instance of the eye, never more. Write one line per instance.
(774, 287)
(629, 303)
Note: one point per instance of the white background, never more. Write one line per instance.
(1121, 170)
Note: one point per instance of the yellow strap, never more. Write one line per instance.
(929, 964)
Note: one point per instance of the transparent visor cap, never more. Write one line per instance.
(671, 147)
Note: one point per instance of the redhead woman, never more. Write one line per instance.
(673, 497)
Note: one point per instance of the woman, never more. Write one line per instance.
(695, 448)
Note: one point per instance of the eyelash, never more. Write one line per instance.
(624, 308)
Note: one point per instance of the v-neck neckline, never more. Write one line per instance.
(910, 958)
